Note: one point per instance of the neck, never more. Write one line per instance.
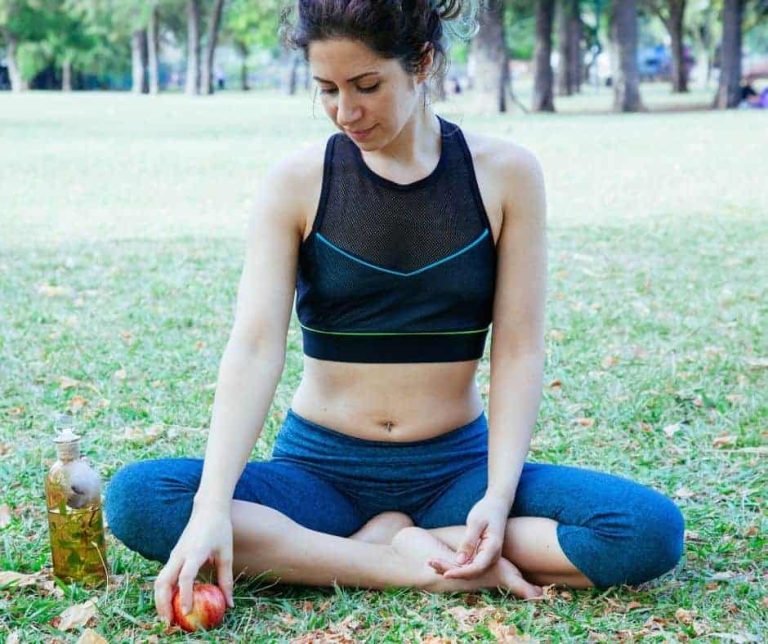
(418, 142)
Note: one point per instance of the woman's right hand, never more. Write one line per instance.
(207, 538)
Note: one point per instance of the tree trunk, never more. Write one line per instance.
(675, 28)
(66, 74)
(18, 84)
(543, 99)
(293, 74)
(568, 46)
(626, 78)
(563, 74)
(153, 48)
(139, 61)
(206, 81)
(243, 52)
(577, 53)
(490, 58)
(728, 94)
(192, 85)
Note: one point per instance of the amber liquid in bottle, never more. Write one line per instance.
(75, 524)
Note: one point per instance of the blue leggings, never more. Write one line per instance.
(612, 529)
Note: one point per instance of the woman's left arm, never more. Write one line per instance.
(517, 358)
(517, 340)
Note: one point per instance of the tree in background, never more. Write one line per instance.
(570, 53)
(249, 25)
(489, 56)
(728, 91)
(214, 24)
(192, 86)
(21, 23)
(625, 75)
(543, 95)
(672, 14)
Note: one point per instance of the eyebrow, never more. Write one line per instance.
(349, 80)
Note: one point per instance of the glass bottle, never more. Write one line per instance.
(75, 523)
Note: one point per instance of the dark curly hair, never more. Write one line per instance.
(391, 28)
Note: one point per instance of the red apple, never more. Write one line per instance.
(208, 606)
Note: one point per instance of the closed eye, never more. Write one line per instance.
(364, 90)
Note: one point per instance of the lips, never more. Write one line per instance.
(359, 132)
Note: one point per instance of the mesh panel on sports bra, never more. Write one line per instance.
(401, 227)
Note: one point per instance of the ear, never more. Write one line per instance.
(427, 58)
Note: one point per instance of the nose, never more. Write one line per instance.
(347, 111)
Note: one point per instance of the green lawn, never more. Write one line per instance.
(123, 223)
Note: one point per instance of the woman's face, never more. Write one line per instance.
(368, 97)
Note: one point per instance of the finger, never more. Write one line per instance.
(480, 564)
(224, 577)
(163, 589)
(466, 549)
(441, 565)
(186, 580)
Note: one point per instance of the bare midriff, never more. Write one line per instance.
(388, 402)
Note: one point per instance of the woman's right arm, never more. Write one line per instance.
(249, 373)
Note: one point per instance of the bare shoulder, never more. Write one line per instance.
(502, 156)
(509, 172)
(295, 179)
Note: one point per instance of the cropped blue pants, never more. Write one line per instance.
(612, 529)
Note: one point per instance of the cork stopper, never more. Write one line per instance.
(67, 442)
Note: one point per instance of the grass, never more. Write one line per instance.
(123, 224)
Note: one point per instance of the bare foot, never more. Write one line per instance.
(383, 527)
(424, 549)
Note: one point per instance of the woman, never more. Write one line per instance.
(405, 238)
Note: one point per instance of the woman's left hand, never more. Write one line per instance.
(482, 542)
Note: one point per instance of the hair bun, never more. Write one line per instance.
(447, 9)
(461, 14)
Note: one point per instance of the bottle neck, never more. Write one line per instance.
(68, 451)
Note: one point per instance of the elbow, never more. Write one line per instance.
(259, 350)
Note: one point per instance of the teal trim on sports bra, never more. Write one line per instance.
(484, 234)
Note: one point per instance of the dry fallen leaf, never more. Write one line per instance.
(67, 383)
(77, 403)
(609, 361)
(5, 448)
(142, 434)
(53, 291)
(5, 515)
(726, 575)
(90, 636)
(752, 531)
(467, 618)
(76, 616)
(684, 493)
(671, 430)
(684, 616)
(726, 439)
(585, 422)
(17, 579)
